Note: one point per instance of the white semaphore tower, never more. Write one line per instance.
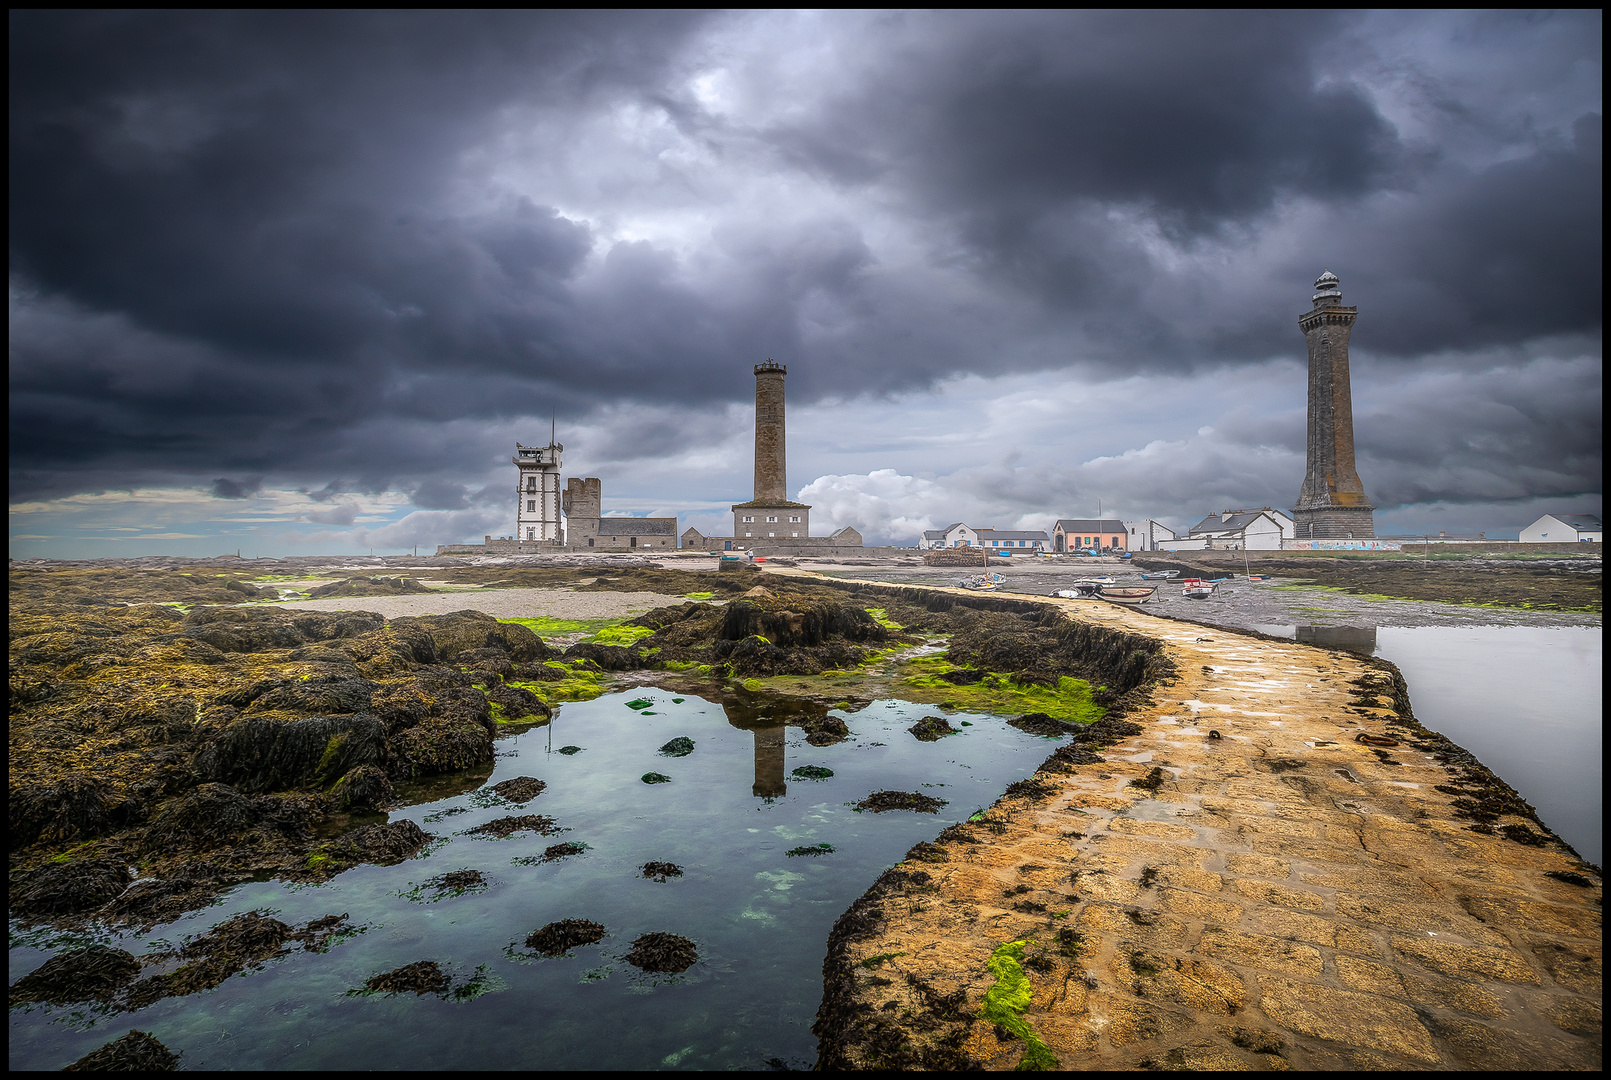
(537, 511)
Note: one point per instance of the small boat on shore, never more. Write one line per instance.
(1129, 595)
(1078, 591)
(983, 581)
(1161, 575)
(1197, 588)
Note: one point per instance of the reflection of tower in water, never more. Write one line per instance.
(769, 782)
(1359, 639)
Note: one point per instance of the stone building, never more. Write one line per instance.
(1332, 504)
(1083, 534)
(590, 530)
(771, 523)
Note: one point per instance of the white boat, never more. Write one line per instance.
(983, 581)
(1130, 595)
(1160, 575)
(1197, 588)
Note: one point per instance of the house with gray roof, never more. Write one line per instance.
(1563, 528)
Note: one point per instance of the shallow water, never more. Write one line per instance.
(1525, 699)
(759, 917)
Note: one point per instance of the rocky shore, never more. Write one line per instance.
(1214, 872)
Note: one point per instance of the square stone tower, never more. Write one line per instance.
(1332, 504)
(770, 515)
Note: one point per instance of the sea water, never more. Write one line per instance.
(1526, 700)
(729, 816)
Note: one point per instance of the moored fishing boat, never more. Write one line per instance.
(1127, 595)
(1160, 575)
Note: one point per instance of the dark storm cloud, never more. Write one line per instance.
(238, 243)
(245, 488)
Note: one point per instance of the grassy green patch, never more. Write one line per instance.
(579, 684)
(699, 596)
(620, 635)
(1005, 1002)
(881, 617)
(1069, 700)
(545, 628)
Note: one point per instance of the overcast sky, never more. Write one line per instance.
(296, 283)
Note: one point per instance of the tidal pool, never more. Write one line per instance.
(1525, 699)
(729, 816)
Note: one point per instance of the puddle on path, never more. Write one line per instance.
(1525, 699)
(728, 817)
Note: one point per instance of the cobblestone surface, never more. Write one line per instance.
(1288, 898)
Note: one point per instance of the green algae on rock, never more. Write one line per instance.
(1005, 1002)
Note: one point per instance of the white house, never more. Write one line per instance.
(1145, 535)
(1262, 529)
(955, 534)
(1563, 529)
(959, 535)
(1013, 539)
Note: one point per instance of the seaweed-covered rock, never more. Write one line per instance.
(368, 586)
(561, 937)
(661, 871)
(150, 903)
(655, 778)
(503, 828)
(826, 731)
(932, 729)
(363, 788)
(383, 845)
(68, 888)
(263, 754)
(211, 815)
(660, 952)
(134, 1052)
(607, 657)
(519, 789)
(923, 851)
(467, 631)
(880, 801)
(518, 703)
(811, 772)
(66, 810)
(1040, 724)
(441, 746)
(94, 973)
(421, 977)
(681, 746)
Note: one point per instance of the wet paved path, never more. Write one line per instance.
(1285, 899)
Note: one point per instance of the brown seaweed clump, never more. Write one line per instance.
(503, 828)
(826, 731)
(94, 973)
(1038, 723)
(661, 871)
(561, 937)
(521, 789)
(880, 801)
(421, 977)
(134, 1052)
(659, 952)
(932, 729)
(368, 586)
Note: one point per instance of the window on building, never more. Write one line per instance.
(746, 532)
(531, 483)
(794, 520)
(772, 519)
(531, 534)
(747, 521)
(794, 534)
(531, 506)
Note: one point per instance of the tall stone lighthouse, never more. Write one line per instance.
(770, 515)
(1333, 504)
